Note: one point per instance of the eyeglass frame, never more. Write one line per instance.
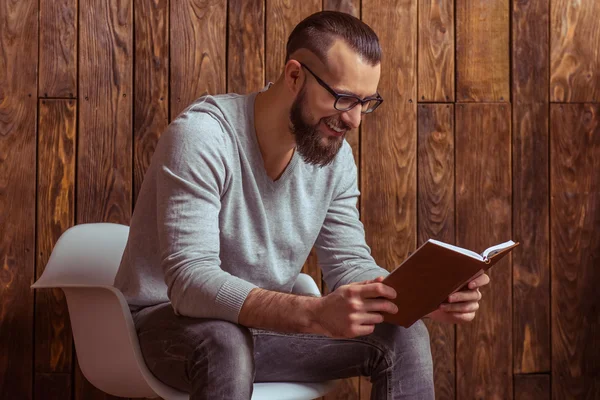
(337, 95)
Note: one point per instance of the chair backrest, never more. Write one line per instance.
(84, 263)
(87, 254)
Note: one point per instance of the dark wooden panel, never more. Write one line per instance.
(532, 387)
(198, 62)
(575, 250)
(575, 59)
(346, 389)
(151, 102)
(52, 386)
(531, 264)
(435, 216)
(482, 53)
(531, 261)
(530, 59)
(56, 213)
(351, 7)
(483, 218)
(436, 50)
(282, 17)
(18, 111)
(104, 159)
(58, 48)
(389, 137)
(246, 54)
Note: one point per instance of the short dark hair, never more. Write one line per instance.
(318, 31)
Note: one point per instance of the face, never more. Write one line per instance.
(318, 128)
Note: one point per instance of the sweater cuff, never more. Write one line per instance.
(231, 297)
(368, 274)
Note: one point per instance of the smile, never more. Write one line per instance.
(333, 130)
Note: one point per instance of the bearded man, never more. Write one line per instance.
(239, 190)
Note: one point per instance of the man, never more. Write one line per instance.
(239, 190)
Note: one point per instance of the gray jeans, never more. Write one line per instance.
(214, 359)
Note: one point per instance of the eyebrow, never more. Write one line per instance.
(341, 91)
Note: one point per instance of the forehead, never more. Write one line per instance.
(347, 70)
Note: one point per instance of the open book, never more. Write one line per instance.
(432, 273)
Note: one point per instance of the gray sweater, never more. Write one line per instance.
(210, 225)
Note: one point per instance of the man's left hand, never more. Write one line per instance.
(461, 306)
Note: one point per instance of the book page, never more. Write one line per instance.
(457, 249)
(491, 251)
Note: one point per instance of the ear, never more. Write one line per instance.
(293, 76)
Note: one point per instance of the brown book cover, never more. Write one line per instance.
(432, 273)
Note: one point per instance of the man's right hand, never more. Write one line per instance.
(353, 310)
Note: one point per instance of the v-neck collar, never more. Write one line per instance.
(260, 163)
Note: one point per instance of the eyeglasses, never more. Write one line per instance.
(346, 102)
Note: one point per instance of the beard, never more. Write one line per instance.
(312, 145)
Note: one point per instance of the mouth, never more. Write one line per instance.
(332, 130)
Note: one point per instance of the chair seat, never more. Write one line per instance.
(291, 390)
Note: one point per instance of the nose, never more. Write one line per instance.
(352, 117)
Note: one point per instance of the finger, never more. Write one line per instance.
(465, 295)
(374, 290)
(380, 305)
(363, 330)
(463, 317)
(366, 318)
(464, 307)
(480, 281)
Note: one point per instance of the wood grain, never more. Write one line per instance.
(531, 263)
(56, 213)
(246, 54)
(436, 50)
(575, 59)
(388, 140)
(346, 389)
(529, 46)
(351, 7)
(282, 17)
(483, 218)
(575, 249)
(104, 158)
(18, 111)
(482, 51)
(52, 386)
(198, 51)
(435, 216)
(58, 48)
(532, 387)
(151, 70)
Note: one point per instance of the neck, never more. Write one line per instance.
(271, 122)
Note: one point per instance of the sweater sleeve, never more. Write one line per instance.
(342, 251)
(191, 177)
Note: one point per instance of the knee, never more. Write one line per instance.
(226, 346)
(409, 347)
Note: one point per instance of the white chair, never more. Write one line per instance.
(83, 264)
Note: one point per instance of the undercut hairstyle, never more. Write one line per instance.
(318, 31)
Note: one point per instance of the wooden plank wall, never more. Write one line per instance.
(490, 130)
